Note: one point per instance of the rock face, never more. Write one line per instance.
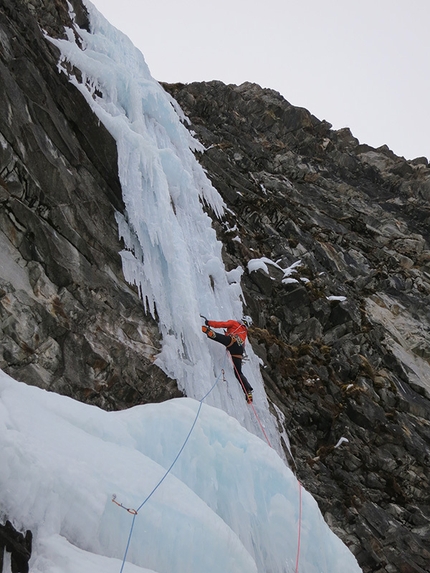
(340, 299)
(339, 287)
(68, 320)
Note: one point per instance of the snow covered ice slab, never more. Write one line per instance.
(230, 505)
(57, 555)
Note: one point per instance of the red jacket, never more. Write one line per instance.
(233, 328)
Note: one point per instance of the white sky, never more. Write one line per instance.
(362, 64)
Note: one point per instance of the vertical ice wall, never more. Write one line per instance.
(172, 253)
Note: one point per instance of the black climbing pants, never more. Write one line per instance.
(236, 352)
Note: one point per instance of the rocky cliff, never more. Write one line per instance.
(68, 320)
(343, 336)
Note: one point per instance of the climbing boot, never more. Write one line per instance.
(249, 397)
(208, 331)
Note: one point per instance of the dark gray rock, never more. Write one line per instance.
(354, 367)
(68, 320)
(356, 217)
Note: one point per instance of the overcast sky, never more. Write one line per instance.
(362, 64)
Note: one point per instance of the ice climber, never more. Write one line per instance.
(233, 339)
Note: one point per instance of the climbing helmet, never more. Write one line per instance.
(247, 321)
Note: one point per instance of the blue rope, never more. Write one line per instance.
(128, 542)
(170, 468)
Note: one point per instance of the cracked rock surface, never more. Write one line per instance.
(340, 306)
(69, 322)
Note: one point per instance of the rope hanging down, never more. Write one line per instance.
(299, 534)
(300, 485)
(134, 512)
(251, 404)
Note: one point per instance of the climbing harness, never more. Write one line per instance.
(235, 338)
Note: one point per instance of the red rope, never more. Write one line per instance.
(261, 425)
(251, 403)
(300, 528)
(299, 533)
